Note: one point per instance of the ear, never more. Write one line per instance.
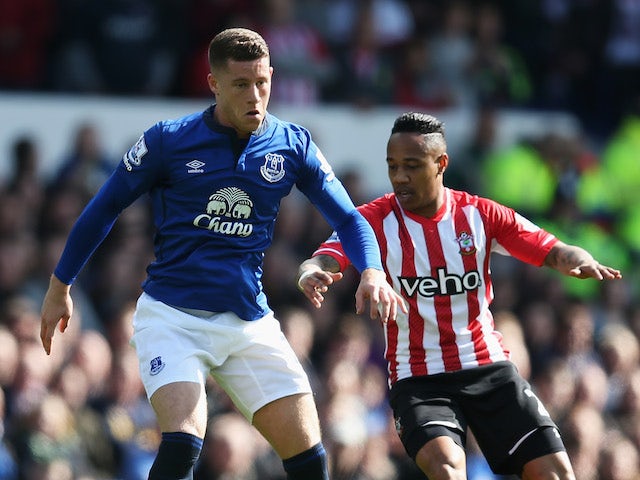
(213, 83)
(443, 161)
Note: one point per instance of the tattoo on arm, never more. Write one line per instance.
(328, 263)
(566, 257)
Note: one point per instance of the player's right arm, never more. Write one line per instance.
(89, 231)
(132, 177)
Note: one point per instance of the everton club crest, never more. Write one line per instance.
(467, 247)
(273, 168)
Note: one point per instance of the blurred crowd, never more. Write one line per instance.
(582, 56)
(81, 414)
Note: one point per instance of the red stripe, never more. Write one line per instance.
(391, 326)
(473, 306)
(442, 303)
(417, 354)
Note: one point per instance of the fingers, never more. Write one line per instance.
(64, 323)
(611, 273)
(46, 334)
(314, 283)
(385, 307)
(47, 330)
(597, 271)
(45, 338)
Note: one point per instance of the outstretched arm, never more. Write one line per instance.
(316, 274)
(576, 262)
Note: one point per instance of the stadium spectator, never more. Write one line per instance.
(392, 20)
(25, 177)
(120, 47)
(621, 59)
(450, 50)
(300, 56)
(519, 176)
(202, 18)
(584, 428)
(365, 66)
(619, 458)
(499, 75)
(619, 350)
(231, 451)
(27, 29)
(418, 83)
(87, 166)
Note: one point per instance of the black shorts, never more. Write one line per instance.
(493, 401)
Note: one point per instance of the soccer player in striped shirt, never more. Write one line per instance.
(216, 179)
(447, 366)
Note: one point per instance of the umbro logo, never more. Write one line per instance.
(195, 166)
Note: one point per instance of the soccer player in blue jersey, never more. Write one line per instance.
(216, 179)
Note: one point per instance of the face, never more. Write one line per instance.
(416, 172)
(242, 93)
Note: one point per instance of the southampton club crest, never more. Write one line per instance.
(467, 247)
(273, 169)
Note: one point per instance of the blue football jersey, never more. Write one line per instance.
(215, 199)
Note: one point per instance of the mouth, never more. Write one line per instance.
(253, 113)
(403, 194)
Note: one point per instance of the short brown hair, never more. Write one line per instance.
(239, 44)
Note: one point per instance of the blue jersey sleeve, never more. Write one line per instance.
(92, 227)
(328, 194)
(135, 175)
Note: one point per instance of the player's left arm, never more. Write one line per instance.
(576, 262)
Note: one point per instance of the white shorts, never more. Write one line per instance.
(251, 360)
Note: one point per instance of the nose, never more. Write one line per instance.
(398, 176)
(254, 94)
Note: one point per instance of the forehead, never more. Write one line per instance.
(238, 69)
(407, 144)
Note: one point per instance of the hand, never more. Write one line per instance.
(594, 270)
(383, 299)
(314, 282)
(577, 262)
(57, 307)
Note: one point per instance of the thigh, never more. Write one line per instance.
(424, 411)
(557, 463)
(290, 424)
(181, 407)
(261, 367)
(171, 345)
(442, 454)
(503, 413)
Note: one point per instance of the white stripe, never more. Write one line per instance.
(519, 442)
(459, 304)
(393, 262)
(332, 250)
(443, 423)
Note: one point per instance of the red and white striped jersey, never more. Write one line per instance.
(440, 265)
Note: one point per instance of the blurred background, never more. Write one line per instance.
(541, 102)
